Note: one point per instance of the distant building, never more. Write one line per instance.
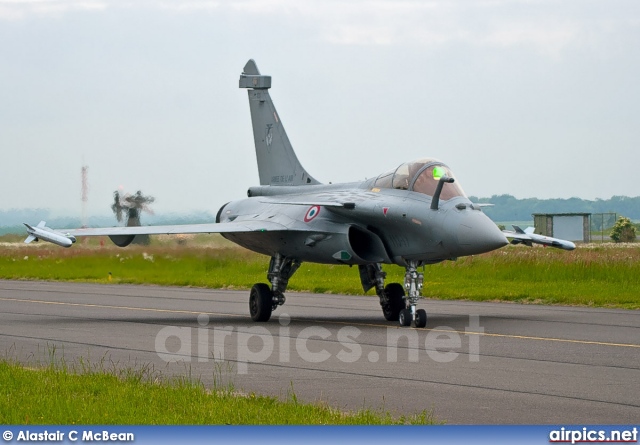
(569, 226)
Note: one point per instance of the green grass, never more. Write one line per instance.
(597, 276)
(57, 395)
(601, 275)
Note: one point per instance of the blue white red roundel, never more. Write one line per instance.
(311, 213)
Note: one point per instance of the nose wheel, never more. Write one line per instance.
(420, 318)
(405, 317)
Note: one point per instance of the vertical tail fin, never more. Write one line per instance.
(277, 162)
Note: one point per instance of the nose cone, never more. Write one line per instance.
(476, 233)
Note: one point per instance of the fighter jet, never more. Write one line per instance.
(412, 215)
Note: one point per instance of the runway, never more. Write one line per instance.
(475, 363)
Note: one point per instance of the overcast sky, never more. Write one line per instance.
(532, 98)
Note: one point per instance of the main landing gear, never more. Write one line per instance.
(398, 302)
(264, 299)
(396, 306)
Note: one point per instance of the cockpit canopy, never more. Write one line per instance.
(421, 176)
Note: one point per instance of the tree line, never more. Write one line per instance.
(510, 208)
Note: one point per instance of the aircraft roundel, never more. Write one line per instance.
(311, 213)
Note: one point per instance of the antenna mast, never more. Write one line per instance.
(85, 190)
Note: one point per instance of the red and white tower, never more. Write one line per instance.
(85, 193)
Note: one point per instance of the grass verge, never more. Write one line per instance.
(57, 395)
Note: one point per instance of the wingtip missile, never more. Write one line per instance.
(552, 242)
(42, 232)
(528, 238)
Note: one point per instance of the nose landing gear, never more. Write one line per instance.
(413, 281)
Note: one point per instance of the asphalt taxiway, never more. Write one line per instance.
(475, 363)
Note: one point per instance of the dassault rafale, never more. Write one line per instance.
(413, 215)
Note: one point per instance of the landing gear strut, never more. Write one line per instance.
(413, 281)
(395, 306)
(264, 299)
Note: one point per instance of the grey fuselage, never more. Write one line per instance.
(358, 223)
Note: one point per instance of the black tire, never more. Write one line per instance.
(405, 317)
(395, 295)
(421, 318)
(260, 302)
